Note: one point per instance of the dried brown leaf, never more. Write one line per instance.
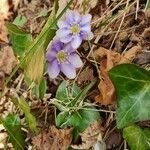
(54, 139)
(112, 57)
(107, 91)
(108, 59)
(7, 60)
(89, 136)
(130, 55)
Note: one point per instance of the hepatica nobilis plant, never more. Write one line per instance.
(62, 55)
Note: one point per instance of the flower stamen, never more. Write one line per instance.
(61, 56)
(75, 29)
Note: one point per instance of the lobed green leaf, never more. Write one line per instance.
(132, 85)
(137, 138)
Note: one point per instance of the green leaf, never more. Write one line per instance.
(74, 95)
(19, 38)
(35, 67)
(80, 119)
(20, 20)
(39, 91)
(35, 59)
(42, 88)
(137, 138)
(30, 119)
(132, 85)
(148, 4)
(13, 127)
(65, 94)
(81, 96)
(35, 90)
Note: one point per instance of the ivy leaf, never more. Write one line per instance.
(19, 38)
(137, 138)
(132, 85)
(13, 127)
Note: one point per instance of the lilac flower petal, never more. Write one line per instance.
(85, 19)
(51, 55)
(62, 33)
(53, 69)
(86, 28)
(68, 48)
(56, 45)
(66, 39)
(63, 24)
(76, 16)
(76, 42)
(69, 16)
(83, 35)
(75, 60)
(68, 70)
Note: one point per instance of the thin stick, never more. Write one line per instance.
(120, 25)
(137, 9)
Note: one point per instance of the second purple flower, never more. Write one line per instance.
(62, 57)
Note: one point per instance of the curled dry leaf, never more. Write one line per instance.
(112, 57)
(107, 91)
(89, 136)
(7, 60)
(54, 139)
(108, 59)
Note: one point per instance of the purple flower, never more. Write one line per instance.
(74, 28)
(62, 57)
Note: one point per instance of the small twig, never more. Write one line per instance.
(120, 25)
(137, 9)
(146, 5)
